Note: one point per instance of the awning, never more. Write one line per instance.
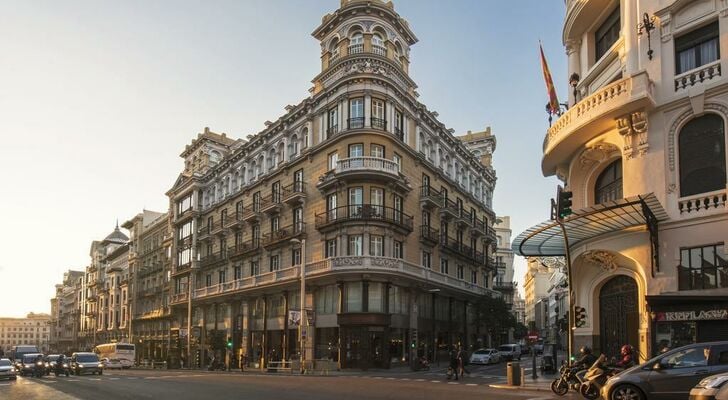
(546, 238)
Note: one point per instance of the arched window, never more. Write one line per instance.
(293, 146)
(448, 166)
(702, 155)
(398, 52)
(423, 143)
(273, 159)
(215, 157)
(609, 183)
(431, 149)
(378, 45)
(304, 138)
(356, 43)
(334, 49)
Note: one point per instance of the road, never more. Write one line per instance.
(192, 384)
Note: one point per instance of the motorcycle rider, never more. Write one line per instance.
(586, 358)
(59, 364)
(627, 357)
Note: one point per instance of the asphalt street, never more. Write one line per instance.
(193, 384)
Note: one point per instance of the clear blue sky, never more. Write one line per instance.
(98, 98)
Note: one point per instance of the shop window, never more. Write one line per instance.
(607, 34)
(353, 297)
(702, 156)
(703, 268)
(376, 297)
(697, 48)
(609, 183)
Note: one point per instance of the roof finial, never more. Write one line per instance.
(117, 224)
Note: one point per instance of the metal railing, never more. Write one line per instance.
(284, 233)
(355, 123)
(365, 213)
(294, 189)
(706, 277)
(244, 248)
(429, 233)
(213, 258)
(378, 123)
(332, 131)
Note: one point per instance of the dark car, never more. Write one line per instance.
(670, 375)
(30, 364)
(86, 363)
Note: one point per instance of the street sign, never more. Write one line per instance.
(532, 337)
(294, 318)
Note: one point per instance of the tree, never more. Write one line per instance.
(520, 331)
(494, 315)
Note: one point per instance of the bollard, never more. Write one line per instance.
(513, 372)
(533, 366)
(523, 376)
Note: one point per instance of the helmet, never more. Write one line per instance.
(585, 350)
(626, 349)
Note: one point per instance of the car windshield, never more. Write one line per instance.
(30, 358)
(52, 358)
(5, 363)
(480, 352)
(87, 358)
(505, 348)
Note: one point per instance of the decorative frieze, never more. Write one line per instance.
(602, 259)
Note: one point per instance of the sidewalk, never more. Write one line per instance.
(540, 384)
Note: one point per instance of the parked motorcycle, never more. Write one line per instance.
(570, 377)
(595, 378)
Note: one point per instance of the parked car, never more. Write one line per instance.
(714, 387)
(485, 356)
(510, 351)
(670, 375)
(112, 363)
(7, 369)
(84, 363)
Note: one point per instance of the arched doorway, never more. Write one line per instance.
(618, 315)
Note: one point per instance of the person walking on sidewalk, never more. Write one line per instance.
(453, 367)
(462, 359)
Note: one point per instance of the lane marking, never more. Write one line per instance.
(435, 381)
(471, 384)
(453, 383)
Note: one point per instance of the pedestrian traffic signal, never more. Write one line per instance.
(579, 316)
(563, 203)
(229, 342)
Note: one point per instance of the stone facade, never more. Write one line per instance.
(33, 330)
(65, 313)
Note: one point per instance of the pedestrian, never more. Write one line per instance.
(243, 361)
(182, 361)
(453, 367)
(460, 362)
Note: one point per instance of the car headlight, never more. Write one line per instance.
(101, 365)
(39, 363)
(65, 365)
(713, 382)
(80, 365)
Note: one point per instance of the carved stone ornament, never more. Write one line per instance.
(345, 261)
(366, 67)
(596, 153)
(633, 129)
(553, 262)
(603, 259)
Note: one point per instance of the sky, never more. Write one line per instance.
(98, 98)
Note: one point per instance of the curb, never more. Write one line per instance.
(524, 387)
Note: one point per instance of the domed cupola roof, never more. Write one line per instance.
(117, 236)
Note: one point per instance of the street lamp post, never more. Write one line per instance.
(302, 302)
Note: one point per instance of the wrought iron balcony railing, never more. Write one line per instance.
(364, 213)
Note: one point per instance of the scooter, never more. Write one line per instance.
(595, 378)
(570, 377)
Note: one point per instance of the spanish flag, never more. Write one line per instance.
(553, 104)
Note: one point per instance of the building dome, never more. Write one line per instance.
(117, 236)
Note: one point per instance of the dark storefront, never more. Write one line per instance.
(678, 320)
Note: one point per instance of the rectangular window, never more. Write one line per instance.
(426, 259)
(208, 280)
(376, 198)
(397, 160)
(379, 120)
(376, 150)
(331, 207)
(697, 48)
(397, 249)
(295, 257)
(210, 223)
(399, 124)
(274, 263)
(398, 205)
(298, 219)
(275, 192)
(330, 248)
(356, 150)
(255, 233)
(184, 204)
(356, 113)
(607, 34)
(376, 245)
(703, 268)
(254, 268)
(238, 272)
(356, 199)
(461, 272)
(333, 120)
(223, 217)
(333, 160)
(353, 297)
(256, 201)
(473, 277)
(221, 275)
(185, 231)
(356, 245)
(274, 225)
(239, 210)
(444, 266)
(375, 301)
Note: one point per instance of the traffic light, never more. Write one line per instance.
(412, 345)
(229, 342)
(563, 203)
(579, 316)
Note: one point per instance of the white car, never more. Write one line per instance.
(7, 369)
(112, 363)
(485, 356)
(714, 387)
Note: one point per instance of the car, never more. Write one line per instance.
(29, 364)
(7, 369)
(670, 375)
(16, 353)
(714, 387)
(485, 356)
(510, 351)
(84, 363)
(112, 363)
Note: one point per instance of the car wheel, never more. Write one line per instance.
(626, 392)
(589, 391)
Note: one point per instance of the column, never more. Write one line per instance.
(367, 110)
(573, 48)
(631, 39)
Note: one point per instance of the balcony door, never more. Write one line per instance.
(376, 198)
(356, 200)
(331, 207)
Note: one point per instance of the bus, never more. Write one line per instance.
(124, 352)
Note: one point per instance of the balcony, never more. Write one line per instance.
(282, 235)
(378, 123)
(213, 258)
(179, 297)
(332, 131)
(429, 235)
(703, 203)
(364, 214)
(235, 220)
(698, 75)
(399, 132)
(504, 286)
(251, 213)
(294, 193)
(363, 169)
(356, 48)
(379, 50)
(430, 197)
(449, 210)
(271, 204)
(593, 115)
(459, 249)
(355, 123)
(243, 249)
(479, 227)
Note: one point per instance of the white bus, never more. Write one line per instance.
(124, 352)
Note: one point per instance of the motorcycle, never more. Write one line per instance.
(570, 377)
(39, 369)
(595, 378)
(423, 364)
(61, 368)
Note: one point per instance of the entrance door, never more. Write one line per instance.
(618, 315)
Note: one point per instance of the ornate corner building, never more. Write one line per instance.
(359, 189)
(642, 148)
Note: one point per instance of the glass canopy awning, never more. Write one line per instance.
(546, 238)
